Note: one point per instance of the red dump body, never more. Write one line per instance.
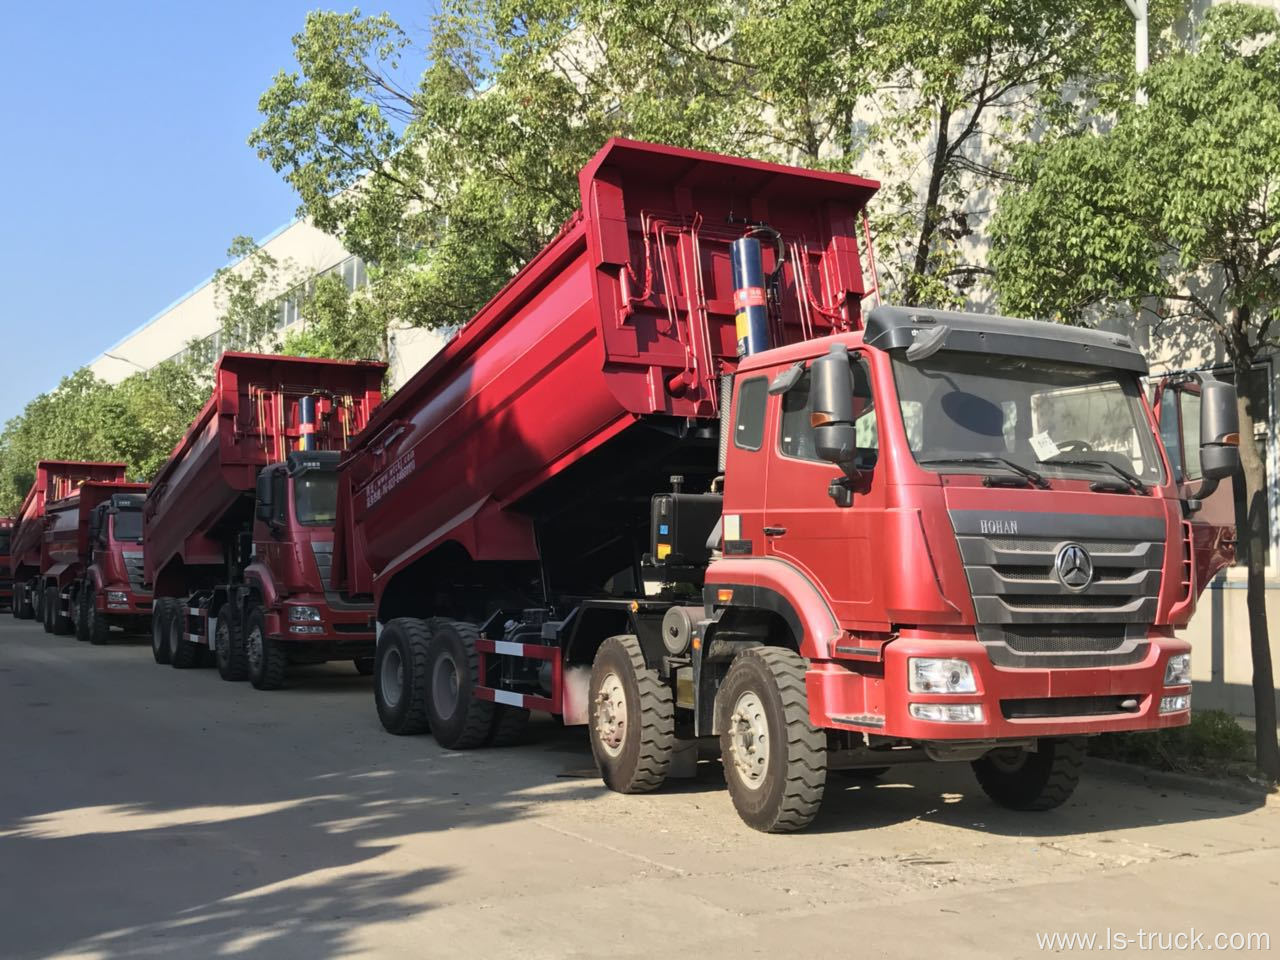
(630, 311)
(55, 480)
(251, 419)
(67, 530)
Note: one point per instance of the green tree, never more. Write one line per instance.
(339, 323)
(1171, 212)
(247, 293)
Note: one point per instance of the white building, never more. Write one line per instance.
(304, 252)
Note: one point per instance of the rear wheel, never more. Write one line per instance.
(363, 665)
(64, 624)
(631, 723)
(459, 721)
(400, 677)
(49, 608)
(775, 759)
(509, 725)
(160, 616)
(98, 627)
(182, 652)
(37, 601)
(228, 646)
(1022, 780)
(266, 658)
(83, 598)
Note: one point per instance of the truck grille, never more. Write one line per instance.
(323, 552)
(1027, 617)
(133, 567)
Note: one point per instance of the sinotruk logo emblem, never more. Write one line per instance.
(1074, 566)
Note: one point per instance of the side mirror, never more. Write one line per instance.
(831, 408)
(1219, 434)
(95, 526)
(262, 500)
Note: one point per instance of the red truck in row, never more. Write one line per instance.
(238, 524)
(93, 542)
(6, 574)
(672, 484)
(50, 549)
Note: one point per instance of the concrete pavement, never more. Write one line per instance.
(151, 812)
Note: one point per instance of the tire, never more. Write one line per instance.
(84, 598)
(266, 658)
(775, 760)
(161, 612)
(37, 602)
(63, 626)
(1032, 781)
(631, 723)
(400, 677)
(228, 646)
(99, 628)
(183, 654)
(459, 721)
(48, 608)
(509, 725)
(364, 666)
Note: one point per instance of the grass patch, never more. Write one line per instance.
(1213, 745)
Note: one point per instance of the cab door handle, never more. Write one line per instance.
(774, 531)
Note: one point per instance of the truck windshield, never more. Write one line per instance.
(315, 497)
(128, 525)
(1057, 419)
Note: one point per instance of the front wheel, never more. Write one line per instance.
(1024, 780)
(83, 600)
(267, 660)
(99, 629)
(775, 759)
(160, 615)
(49, 609)
(631, 720)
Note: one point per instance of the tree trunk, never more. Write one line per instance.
(929, 222)
(1254, 539)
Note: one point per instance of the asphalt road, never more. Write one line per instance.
(150, 812)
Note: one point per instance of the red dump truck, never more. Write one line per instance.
(670, 483)
(31, 562)
(6, 574)
(238, 523)
(93, 542)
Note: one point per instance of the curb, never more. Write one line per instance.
(1221, 789)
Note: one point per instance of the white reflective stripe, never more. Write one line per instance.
(509, 649)
(194, 611)
(506, 696)
(195, 638)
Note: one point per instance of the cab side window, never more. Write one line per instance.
(748, 421)
(796, 431)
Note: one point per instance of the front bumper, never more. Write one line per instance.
(136, 604)
(341, 633)
(1016, 703)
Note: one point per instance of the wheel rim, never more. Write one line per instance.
(391, 677)
(611, 715)
(749, 740)
(444, 685)
(253, 647)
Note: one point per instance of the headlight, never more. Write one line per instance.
(1177, 672)
(940, 676)
(1175, 704)
(304, 615)
(117, 596)
(947, 712)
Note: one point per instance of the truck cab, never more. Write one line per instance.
(294, 513)
(112, 592)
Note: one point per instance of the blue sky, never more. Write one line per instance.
(124, 163)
